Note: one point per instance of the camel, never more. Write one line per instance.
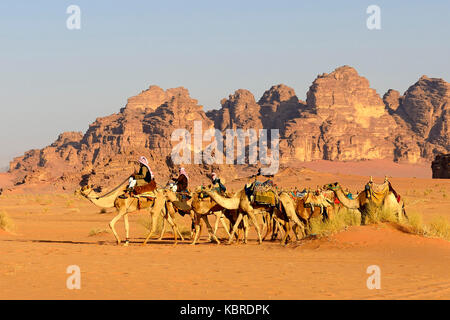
(312, 205)
(129, 205)
(240, 201)
(383, 196)
(199, 210)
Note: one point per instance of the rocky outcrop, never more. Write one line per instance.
(108, 151)
(441, 166)
(345, 119)
(425, 106)
(392, 100)
(240, 110)
(342, 119)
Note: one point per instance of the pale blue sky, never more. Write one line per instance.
(54, 80)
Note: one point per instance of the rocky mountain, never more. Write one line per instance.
(441, 166)
(341, 119)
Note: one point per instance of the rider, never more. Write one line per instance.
(217, 184)
(268, 178)
(182, 181)
(143, 180)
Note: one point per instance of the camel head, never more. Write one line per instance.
(170, 194)
(85, 191)
(332, 186)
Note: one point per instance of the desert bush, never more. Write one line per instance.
(95, 232)
(415, 223)
(375, 214)
(69, 203)
(439, 227)
(342, 219)
(6, 222)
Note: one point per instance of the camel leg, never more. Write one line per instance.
(197, 229)
(255, 223)
(246, 228)
(192, 215)
(216, 224)
(178, 230)
(295, 230)
(275, 228)
(210, 229)
(279, 228)
(174, 228)
(265, 226)
(127, 230)
(113, 222)
(155, 217)
(286, 235)
(236, 225)
(163, 230)
(224, 225)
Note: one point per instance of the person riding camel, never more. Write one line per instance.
(182, 182)
(266, 179)
(217, 184)
(143, 181)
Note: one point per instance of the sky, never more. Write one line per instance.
(53, 79)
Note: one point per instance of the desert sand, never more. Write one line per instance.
(54, 231)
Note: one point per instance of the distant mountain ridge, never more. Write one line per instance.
(342, 119)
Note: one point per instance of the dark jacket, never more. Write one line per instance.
(217, 184)
(182, 183)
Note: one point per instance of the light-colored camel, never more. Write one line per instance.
(239, 201)
(128, 205)
(387, 202)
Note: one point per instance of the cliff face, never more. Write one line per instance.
(342, 119)
(425, 106)
(441, 166)
(345, 119)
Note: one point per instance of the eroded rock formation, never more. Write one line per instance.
(342, 119)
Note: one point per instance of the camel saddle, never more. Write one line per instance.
(262, 193)
(149, 187)
(377, 192)
(182, 206)
(313, 199)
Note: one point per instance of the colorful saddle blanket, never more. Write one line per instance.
(377, 192)
(147, 195)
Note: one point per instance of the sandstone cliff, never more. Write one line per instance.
(342, 119)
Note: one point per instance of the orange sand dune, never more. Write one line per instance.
(52, 233)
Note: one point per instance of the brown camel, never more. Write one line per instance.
(382, 196)
(199, 209)
(240, 201)
(312, 205)
(128, 205)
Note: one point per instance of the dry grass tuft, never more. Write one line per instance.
(341, 221)
(6, 222)
(379, 215)
(96, 232)
(439, 227)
